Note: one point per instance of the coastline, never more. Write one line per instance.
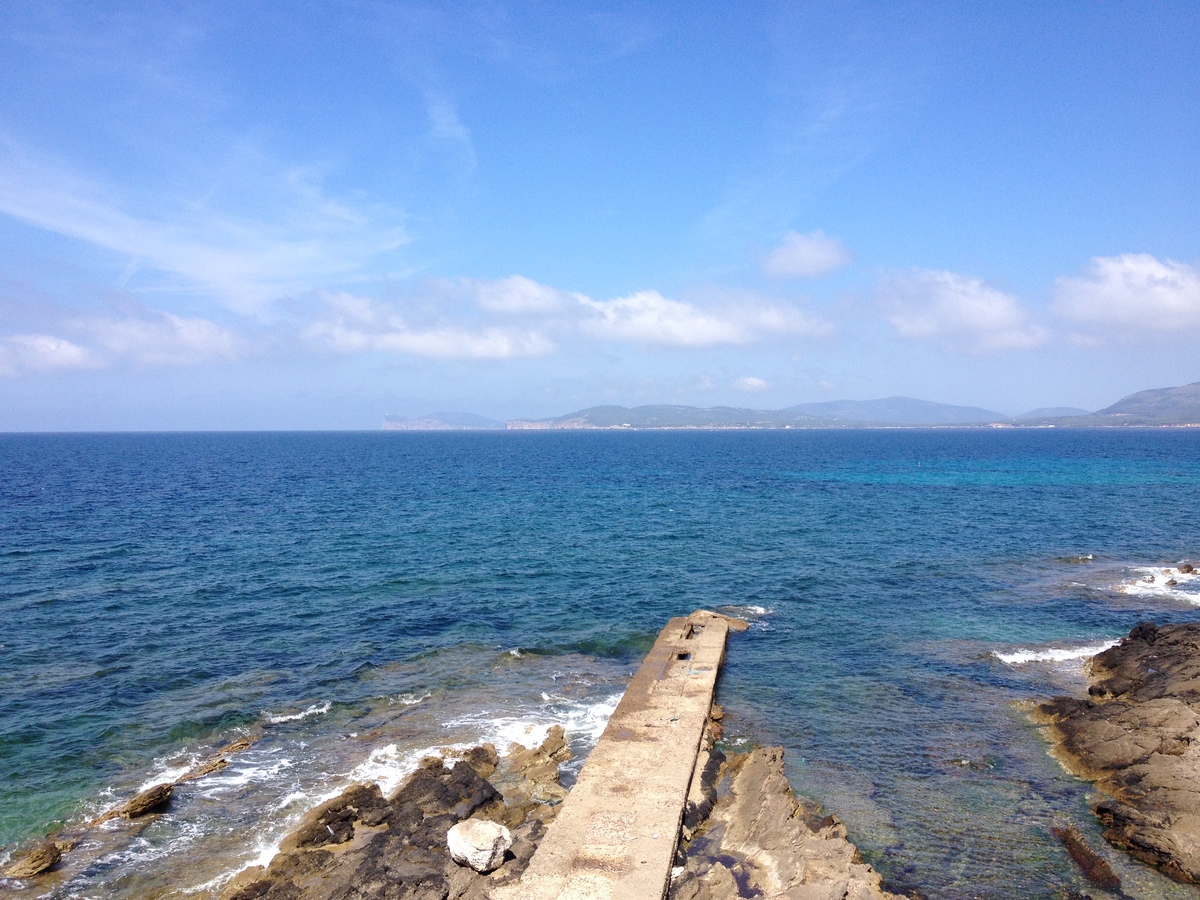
(732, 822)
(1135, 737)
(368, 611)
(745, 833)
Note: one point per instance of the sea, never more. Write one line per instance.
(352, 602)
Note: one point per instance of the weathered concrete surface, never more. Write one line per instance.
(616, 833)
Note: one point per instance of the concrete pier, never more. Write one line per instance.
(615, 836)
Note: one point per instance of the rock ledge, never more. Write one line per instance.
(1136, 736)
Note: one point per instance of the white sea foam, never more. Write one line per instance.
(265, 851)
(578, 720)
(389, 765)
(245, 771)
(1162, 581)
(744, 609)
(317, 709)
(1051, 654)
(169, 774)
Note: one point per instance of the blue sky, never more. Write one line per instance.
(306, 215)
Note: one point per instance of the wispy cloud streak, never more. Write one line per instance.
(306, 238)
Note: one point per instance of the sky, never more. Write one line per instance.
(306, 215)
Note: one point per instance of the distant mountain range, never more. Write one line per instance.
(891, 411)
(1163, 406)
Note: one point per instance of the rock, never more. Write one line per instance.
(478, 843)
(104, 817)
(1187, 569)
(147, 801)
(35, 860)
(1138, 738)
(1094, 866)
(1144, 631)
(364, 846)
(529, 778)
(758, 841)
(483, 760)
(216, 764)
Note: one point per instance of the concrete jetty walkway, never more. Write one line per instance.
(615, 836)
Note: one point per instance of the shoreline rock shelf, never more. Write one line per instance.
(1137, 736)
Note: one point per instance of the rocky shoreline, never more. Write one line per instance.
(1137, 737)
(745, 834)
(45, 855)
(466, 824)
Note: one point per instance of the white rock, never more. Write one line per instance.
(478, 843)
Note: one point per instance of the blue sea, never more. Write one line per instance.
(353, 601)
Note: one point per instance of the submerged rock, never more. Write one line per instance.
(1136, 737)
(1093, 865)
(34, 861)
(478, 843)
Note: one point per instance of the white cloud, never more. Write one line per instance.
(142, 337)
(516, 295)
(445, 342)
(806, 256)
(959, 311)
(357, 325)
(295, 237)
(1132, 291)
(161, 338)
(649, 317)
(750, 384)
(41, 353)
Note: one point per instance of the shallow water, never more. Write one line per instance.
(355, 599)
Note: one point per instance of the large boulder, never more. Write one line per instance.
(479, 843)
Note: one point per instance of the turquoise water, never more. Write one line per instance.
(354, 599)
